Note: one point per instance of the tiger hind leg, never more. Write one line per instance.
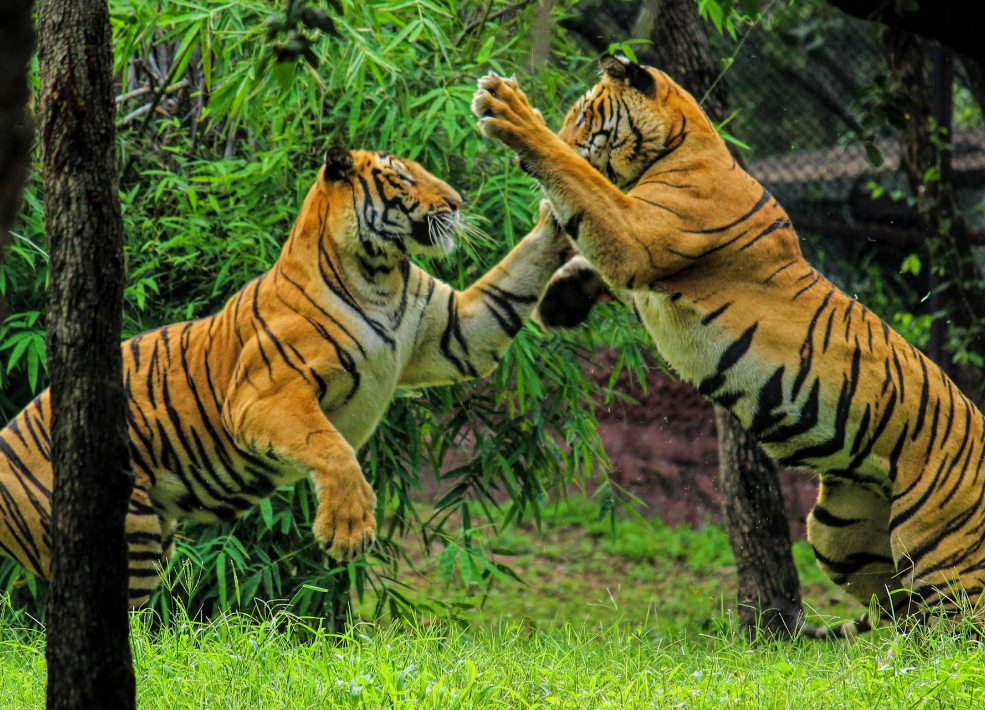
(149, 544)
(849, 531)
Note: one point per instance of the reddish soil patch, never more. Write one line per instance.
(664, 451)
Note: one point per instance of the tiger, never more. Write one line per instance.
(291, 377)
(665, 220)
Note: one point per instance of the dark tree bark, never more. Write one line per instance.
(88, 652)
(976, 80)
(16, 132)
(680, 48)
(928, 105)
(756, 523)
(752, 504)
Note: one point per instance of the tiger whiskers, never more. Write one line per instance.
(441, 227)
(468, 229)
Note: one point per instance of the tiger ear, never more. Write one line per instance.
(338, 164)
(613, 68)
(623, 69)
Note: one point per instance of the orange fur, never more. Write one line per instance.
(713, 267)
(292, 376)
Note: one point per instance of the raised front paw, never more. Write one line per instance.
(504, 112)
(345, 525)
(570, 295)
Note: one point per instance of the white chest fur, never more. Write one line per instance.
(684, 344)
(357, 417)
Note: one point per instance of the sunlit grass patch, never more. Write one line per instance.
(244, 662)
(643, 618)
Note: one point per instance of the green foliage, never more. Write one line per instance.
(213, 172)
(877, 107)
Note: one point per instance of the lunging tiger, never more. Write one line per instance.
(712, 265)
(292, 376)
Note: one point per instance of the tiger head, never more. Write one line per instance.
(395, 206)
(633, 117)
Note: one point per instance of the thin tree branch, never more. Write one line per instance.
(486, 17)
(147, 89)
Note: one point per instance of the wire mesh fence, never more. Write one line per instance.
(797, 85)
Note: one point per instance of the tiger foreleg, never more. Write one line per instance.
(631, 242)
(289, 424)
(464, 334)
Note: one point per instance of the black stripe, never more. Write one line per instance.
(770, 397)
(714, 314)
(950, 414)
(862, 429)
(764, 198)
(826, 517)
(899, 374)
(817, 277)
(138, 572)
(453, 330)
(777, 224)
(270, 335)
(852, 563)
(806, 420)
(780, 270)
(836, 441)
(733, 353)
(807, 347)
(924, 396)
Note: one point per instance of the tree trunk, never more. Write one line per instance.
(16, 132)
(752, 510)
(928, 106)
(680, 48)
(976, 80)
(88, 651)
(541, 35)
(752, 504)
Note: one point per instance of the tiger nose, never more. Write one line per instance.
(454, 201)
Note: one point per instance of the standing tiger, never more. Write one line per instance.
(713, 268)
(292, 376)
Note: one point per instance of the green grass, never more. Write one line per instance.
(575, 569)
(642, 619)
(238, 662)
